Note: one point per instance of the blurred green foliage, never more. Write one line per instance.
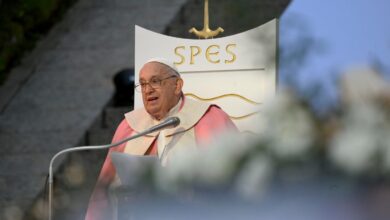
(22, 23)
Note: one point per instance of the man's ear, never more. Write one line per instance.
(179, 86)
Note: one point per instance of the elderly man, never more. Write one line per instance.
(161, 87)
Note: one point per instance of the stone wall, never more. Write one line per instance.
(60, 94)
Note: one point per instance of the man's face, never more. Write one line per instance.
(159, 100)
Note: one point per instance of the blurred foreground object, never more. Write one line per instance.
(363, 85)
(301, 166)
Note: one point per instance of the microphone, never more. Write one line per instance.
(170, 122)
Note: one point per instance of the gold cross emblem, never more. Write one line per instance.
(206, 32)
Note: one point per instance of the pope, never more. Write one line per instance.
(161, 86)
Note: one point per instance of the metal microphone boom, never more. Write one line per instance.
(169, 122)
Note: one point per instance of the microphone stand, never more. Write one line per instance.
(170, 122)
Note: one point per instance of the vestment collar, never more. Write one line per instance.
(189, 114)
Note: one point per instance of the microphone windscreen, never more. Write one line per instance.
(174, 120)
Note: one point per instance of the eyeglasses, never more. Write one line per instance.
(155, 83)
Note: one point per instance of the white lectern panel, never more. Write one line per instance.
(237, 72)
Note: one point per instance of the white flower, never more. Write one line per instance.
(210, 165)
(219, 160)
(366, 126)
(289, 128)
(354, 148)
(254, 176)
(181, 167)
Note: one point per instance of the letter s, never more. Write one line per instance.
(231, 53)
(182, 58)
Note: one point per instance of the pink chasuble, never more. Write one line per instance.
(212, 123)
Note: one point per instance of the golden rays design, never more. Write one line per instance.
(224, 96)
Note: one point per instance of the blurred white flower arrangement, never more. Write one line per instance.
(293, 143)
(286, 135)
(362, 145)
